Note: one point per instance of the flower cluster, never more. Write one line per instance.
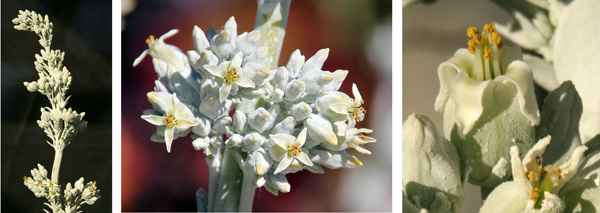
(59, 123)
(273, 121)
(74, 197)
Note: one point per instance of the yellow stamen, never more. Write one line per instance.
(533, 194)
(170, 121)
(50, 184)
(231, 75)
(94, 182)
(24, 177)
(490, 28)
(472, 32)
(150, 39)
(295, 149)
(53, 192)
(487, 53)
(39, 181)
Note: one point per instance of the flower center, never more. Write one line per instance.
(150, 40)
(170, 121)
(486, 50)
(231, 75)
(357, 111)
(551, 176)
(361, 136)
(295, 149)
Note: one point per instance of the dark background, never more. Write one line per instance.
(154, 180)
(83, 31)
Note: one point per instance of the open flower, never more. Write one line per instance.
(535, 187)
(355, 111)
(231, 72)
(165, 55)
(177, 117)
(287, 148)
(486, 92)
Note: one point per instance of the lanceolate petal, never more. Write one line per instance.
(301, 137)
(183, 124)
(285, 162)
(282, 140)
(140, 58)
(169, 131)
(244, 82)
(154, 119)
(236, 61)
(215, 70)
(357, 97)
(224, 92)
(302, 157)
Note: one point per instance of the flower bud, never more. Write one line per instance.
(239, 120)
(210, 107)
(200, 42)
(294, 89)
(201, 143)
(234, 141)
(260, 119)
(281, 77)
(253, 140)
(320, 129)
(301, 111)
(286, 126)
(295, 63)
(433, 163)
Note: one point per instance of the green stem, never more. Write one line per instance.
(228, 190)
(56, 167)
(271, 21)
(214, 166)
(247, 196)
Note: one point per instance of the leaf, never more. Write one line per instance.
(560, 119)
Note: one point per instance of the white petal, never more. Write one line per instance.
(357, 97)
(277, 153)
(302, 157)
(569, 169)
(224, 92)
(340, 108)
(236, 61)
(282, 140)
(140, 58)
(169, 137)
(184, 124)
(316, 62)
(530, 159)
(167, 35)
(215, 70)
(301, 138)
(517, 166)
(285, 162)
(200, 41)
(468, 95)
(171, 107)
(519, 73)
(244, 82)
(154, 119)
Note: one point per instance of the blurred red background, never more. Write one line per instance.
(154, 180)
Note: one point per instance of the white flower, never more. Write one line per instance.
(177, 117)
(231, 72)
(528, 192)
(165, 55)
(355, 110)
(287, 148)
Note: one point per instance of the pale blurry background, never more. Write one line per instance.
(359, 36)
(431, 34)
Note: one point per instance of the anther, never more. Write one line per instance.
(472, 32)
(488, 53)
(490, 28)
(533, 194)
(150, 39)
